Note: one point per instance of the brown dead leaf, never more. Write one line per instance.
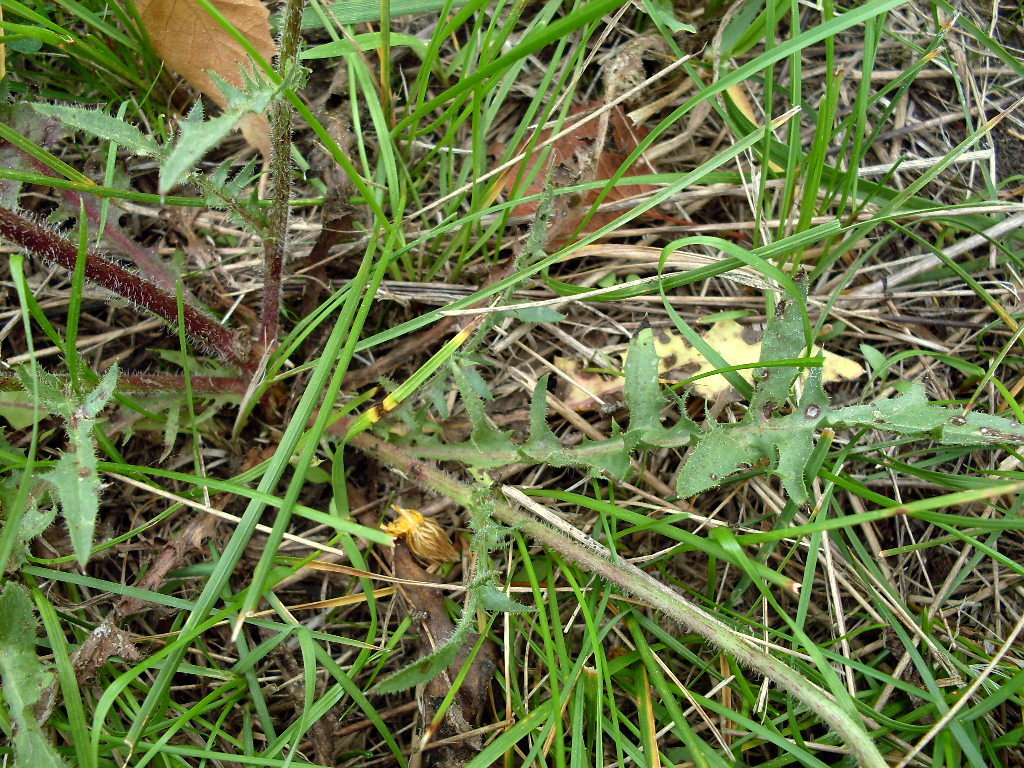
(105, 641)
(679, 360)
(193, 44)
(579, 157)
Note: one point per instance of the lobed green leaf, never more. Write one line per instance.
(76, 475)
(104, 126)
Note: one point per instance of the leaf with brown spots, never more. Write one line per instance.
(679, 360)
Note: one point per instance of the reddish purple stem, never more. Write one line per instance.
(40, 241)
(145, 258)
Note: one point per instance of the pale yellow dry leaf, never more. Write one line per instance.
(580, 398)
(739, 97)
(679, 361)
(193, 44)
(734, 343)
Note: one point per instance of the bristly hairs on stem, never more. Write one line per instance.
(275, 244)
(598, 560)
(25, 231)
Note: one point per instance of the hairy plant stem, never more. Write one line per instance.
(145, 258)
(38, 240)
(597, 559)
(275, 243)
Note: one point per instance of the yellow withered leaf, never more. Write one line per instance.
(425, 538)
(679, 361)
(733, 342)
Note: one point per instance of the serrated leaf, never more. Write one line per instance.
(17, 633)
(170, 430)
(78, 491)
(422, 670)
(543, 445)
(24, 679)
(794, 452)
(491, 443)
(194, 141)
(785, 442)
(795, 446)
(601, 457)
(468, 379)
(51, 392)
(96, 400)
(32, 748)
(494, 600)
(783, 340)
(646, 399)
(976, 428)
(196, 136)
(76, 476)
(105, 126)
(197, 114)
(814, 392)
(31, 524)
(229, 186)
(679, 434)
(232, 96)
(908, 414)
(720, 452)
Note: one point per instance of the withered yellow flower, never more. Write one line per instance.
(425, 538)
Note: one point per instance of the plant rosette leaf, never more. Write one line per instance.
(494, 600)
(783, 443)
(196, 136)
(912, 414)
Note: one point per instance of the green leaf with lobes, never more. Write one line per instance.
(495, 600)
(104, 126)
(76, 476)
